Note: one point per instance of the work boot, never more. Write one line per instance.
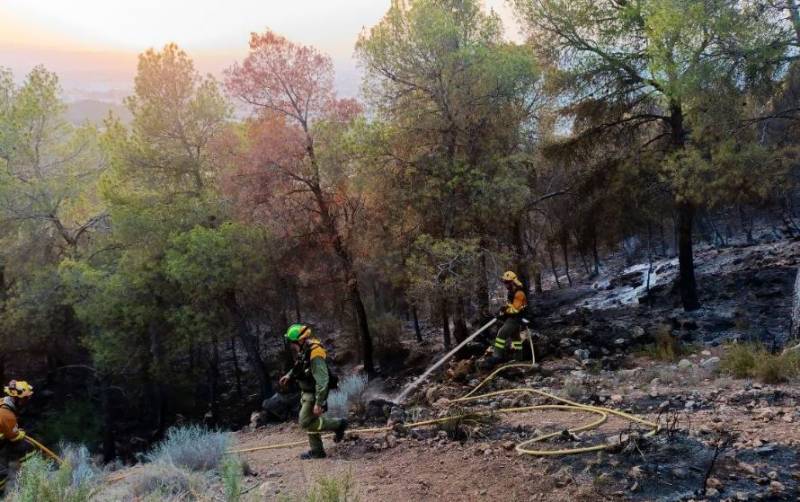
(312, 454)
(339, 432)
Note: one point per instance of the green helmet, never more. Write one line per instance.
(296, 331)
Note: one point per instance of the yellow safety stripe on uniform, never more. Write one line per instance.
(516, 345)
(500, 343)
(317, 350)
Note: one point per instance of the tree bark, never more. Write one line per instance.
(585, 265)
(595, 254)
(328, 226)
(537, 277)
(565, 252)
(553, 266)
(445, 323)
(363, 327)
(686, 282)
(746, 227)
(417, 330)
(156, 388)
(686, 212)
(237, 371)
(459, 324)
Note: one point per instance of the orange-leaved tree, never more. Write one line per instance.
(298, 152)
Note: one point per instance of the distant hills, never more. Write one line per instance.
(95, 111)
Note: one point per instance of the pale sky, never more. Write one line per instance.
(92, 44)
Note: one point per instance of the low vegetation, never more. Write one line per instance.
(666, 346)
(193, 447)
(350, 396)
(329, 489)
(755, 361)
(40, 480)
(191, 463)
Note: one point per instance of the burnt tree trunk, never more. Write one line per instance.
(363, 327)
(687, 284)
(686, 280)
(553, 266)
(417, 330)
(445, 323)
(329, 227)
(565, 253)
(459, 323)
(156, 388)
(237, 371)
(595, 254)
(585, 265)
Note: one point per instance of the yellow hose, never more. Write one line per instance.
(521, 448)
(44, 449)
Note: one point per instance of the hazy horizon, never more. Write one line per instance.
(93, 45)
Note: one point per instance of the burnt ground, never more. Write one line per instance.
(695, 407)
(591, 346)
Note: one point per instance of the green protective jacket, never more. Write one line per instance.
(311, 372)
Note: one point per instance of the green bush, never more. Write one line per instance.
(329, 489)
(666, 347)
(333, 489)
(193, 447)
(739, 360)
(754, 361)
(40, 481)
(164, 481)
(232, 473)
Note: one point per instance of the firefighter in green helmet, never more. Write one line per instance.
(313, 377)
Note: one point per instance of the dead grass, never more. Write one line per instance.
(666, 347)
(754, 361)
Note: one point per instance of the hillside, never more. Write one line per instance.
(691, 393)
(720, 428)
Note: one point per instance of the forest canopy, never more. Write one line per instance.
(167, 255)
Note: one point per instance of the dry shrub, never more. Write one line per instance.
(752, 360)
